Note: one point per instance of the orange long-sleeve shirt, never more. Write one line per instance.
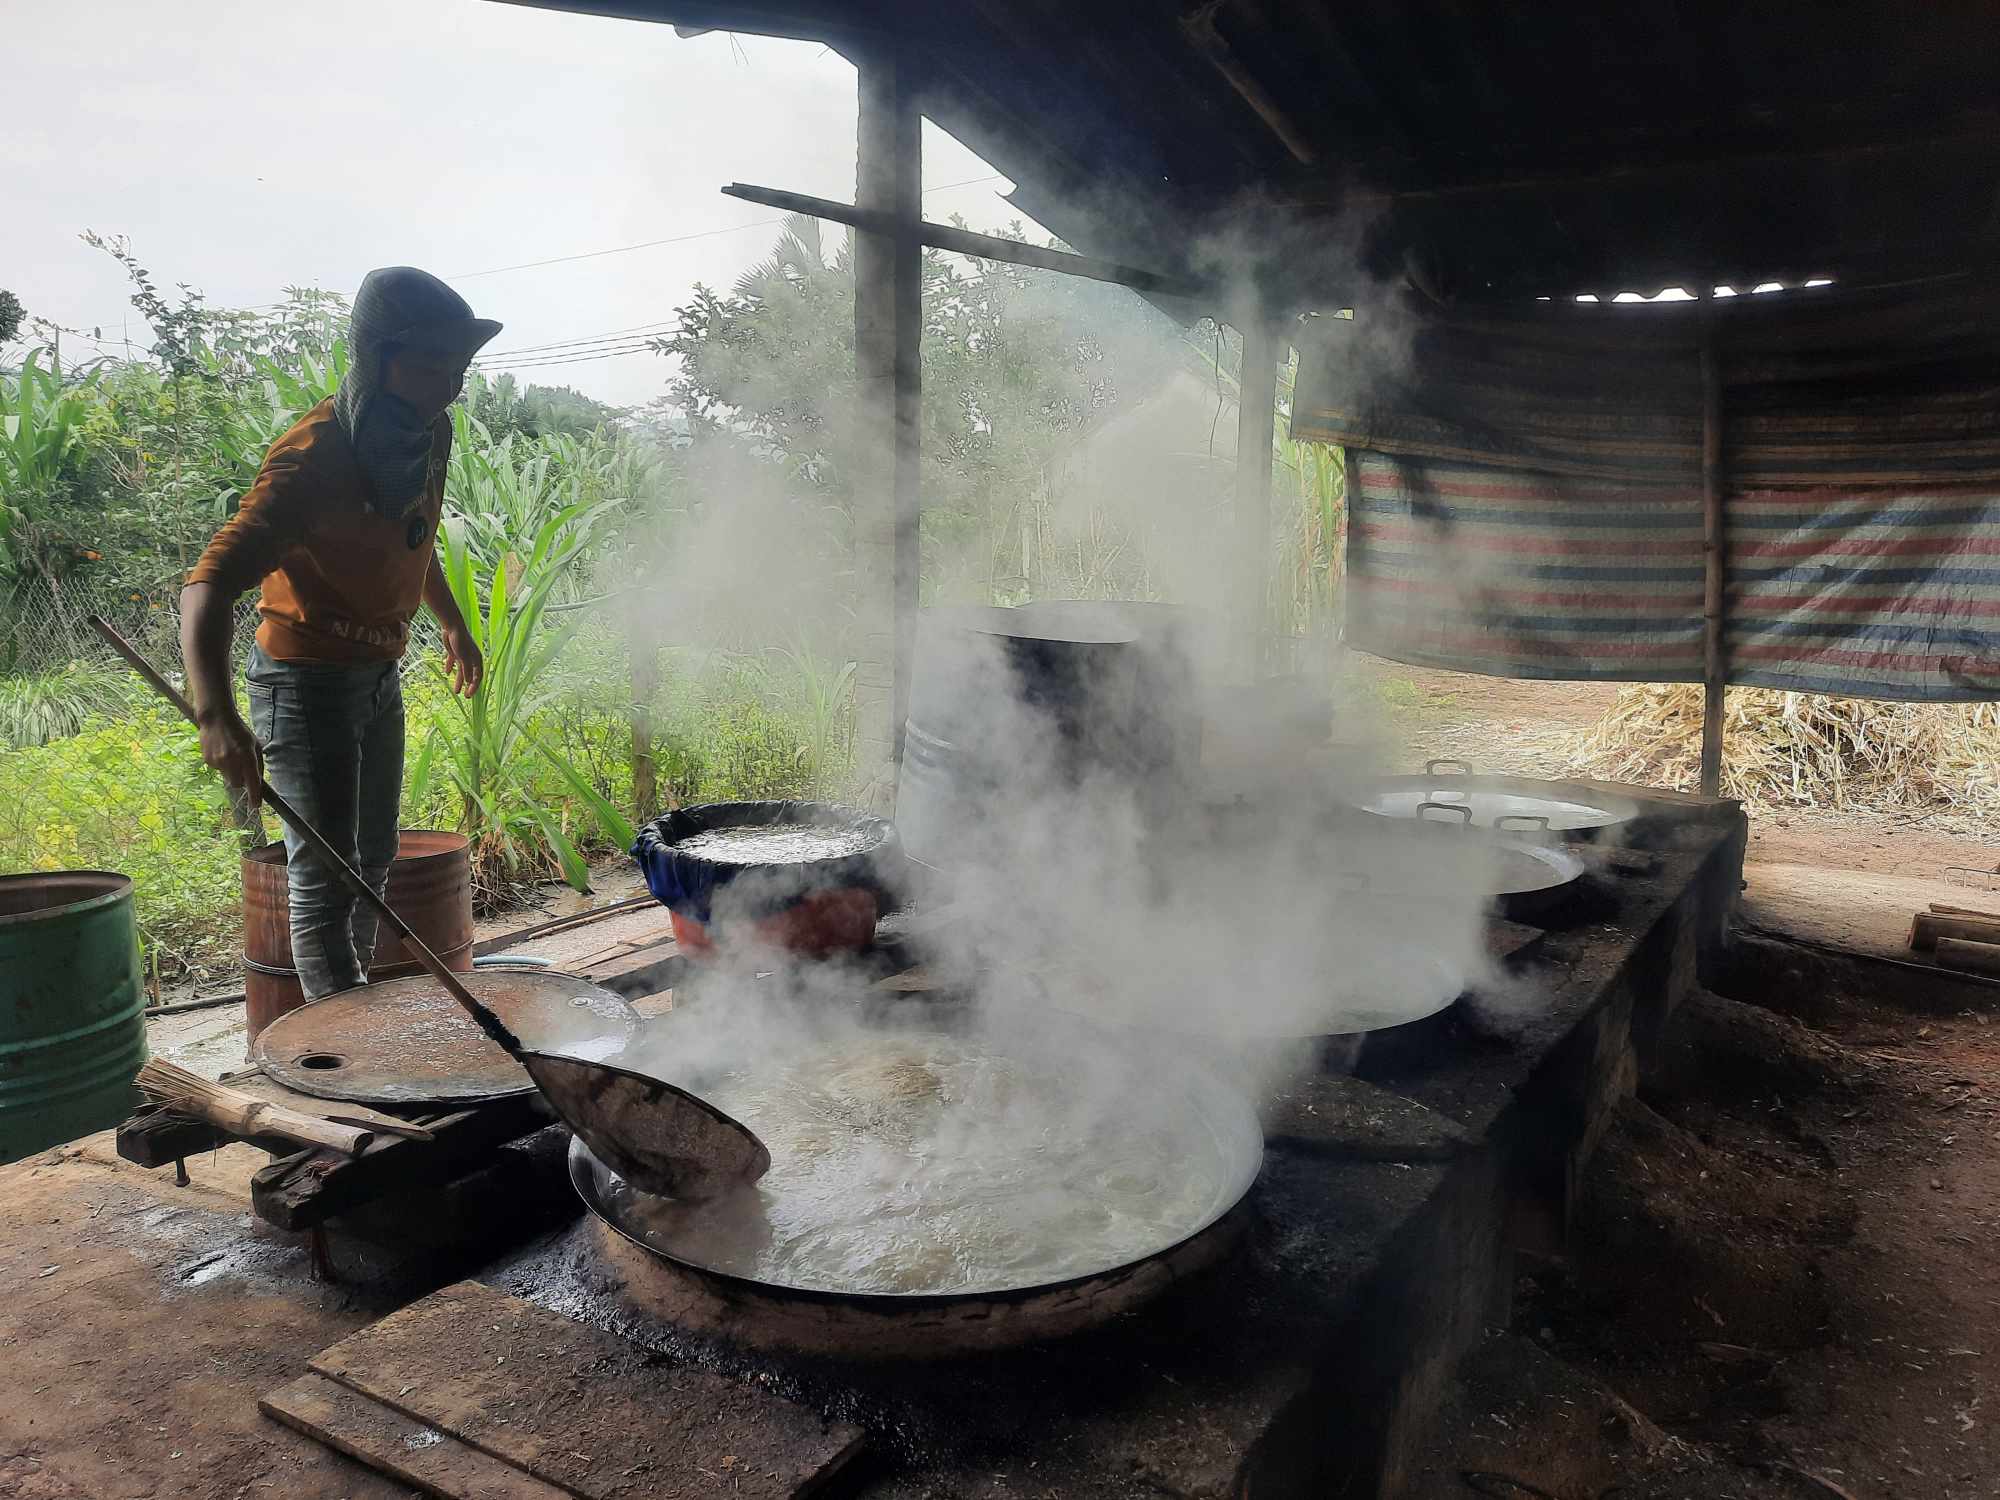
(340, 580)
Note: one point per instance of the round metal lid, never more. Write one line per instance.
(405, 1041)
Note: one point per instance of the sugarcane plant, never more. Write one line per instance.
(485, 748)
(42, 422)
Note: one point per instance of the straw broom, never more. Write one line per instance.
(243, 1114)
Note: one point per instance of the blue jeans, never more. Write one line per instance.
(333, 748)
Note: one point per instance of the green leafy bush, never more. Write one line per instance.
(37, 707)
(133, 796)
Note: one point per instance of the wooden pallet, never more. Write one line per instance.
(469, 1393)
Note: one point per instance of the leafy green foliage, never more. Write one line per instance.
(133, 795)
(503, 567)
(12, 315)
(41, 706)
(42, 421)
(264, 408)
(504, 407)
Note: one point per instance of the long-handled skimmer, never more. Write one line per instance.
(659, 1138)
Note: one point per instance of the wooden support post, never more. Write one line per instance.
(888, 317)
(644, 648)
(1256, 414)
(1714, 668)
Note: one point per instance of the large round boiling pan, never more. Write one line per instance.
(917, 1325)
(1339, 1004)
(1505, 804)
(1531, 880)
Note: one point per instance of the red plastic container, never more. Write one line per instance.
(818, 925)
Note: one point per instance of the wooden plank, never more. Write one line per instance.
(1945, 909)
(967, 242)
(158, 1138)
(399, 1446)
(304, 1190)
(1928, 926)
(1199, 27)
(1968, 957)
(582, 1409)
(646, 972)
(501, 942)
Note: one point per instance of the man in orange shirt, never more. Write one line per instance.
(339, 530)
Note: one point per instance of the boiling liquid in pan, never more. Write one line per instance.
(777, 843)
(930, 1163)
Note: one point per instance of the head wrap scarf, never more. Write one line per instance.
(398, 307)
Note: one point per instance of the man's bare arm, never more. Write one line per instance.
(207, 622)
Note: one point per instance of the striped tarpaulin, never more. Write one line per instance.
(1889, 388)
(1864, 592)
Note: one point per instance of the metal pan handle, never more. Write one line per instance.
(1534, 822)
(1460, 808)
(1431, 766)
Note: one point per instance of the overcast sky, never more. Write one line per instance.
(246, 144)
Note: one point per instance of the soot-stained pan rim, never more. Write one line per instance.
(584, 1167)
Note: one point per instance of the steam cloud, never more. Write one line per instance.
(1243, 912)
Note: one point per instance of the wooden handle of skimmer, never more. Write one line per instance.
(489, 1023)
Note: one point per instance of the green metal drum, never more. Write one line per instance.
(72, 1032)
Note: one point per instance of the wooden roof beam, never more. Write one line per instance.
(1198, 25)
(967, 242)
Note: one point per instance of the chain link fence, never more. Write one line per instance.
(97, 773)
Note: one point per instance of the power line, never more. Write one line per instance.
(659, 329)
(943, 187)
(615, 251)
(702, 234)
(571, 359)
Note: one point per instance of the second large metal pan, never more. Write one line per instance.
(1506, 804)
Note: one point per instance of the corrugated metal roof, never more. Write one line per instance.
(1486, 149)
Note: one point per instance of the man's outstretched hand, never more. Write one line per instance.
(464, 663)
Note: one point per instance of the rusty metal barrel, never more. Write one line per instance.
(72, 1031)
(430, 887)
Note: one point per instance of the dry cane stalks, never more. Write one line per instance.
(1803, 749)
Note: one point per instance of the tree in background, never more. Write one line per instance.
(11, 315)
(505, 407)
(1016, 363)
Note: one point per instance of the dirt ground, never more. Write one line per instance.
(1779, 1282)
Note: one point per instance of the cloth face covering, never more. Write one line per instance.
(391, 441)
